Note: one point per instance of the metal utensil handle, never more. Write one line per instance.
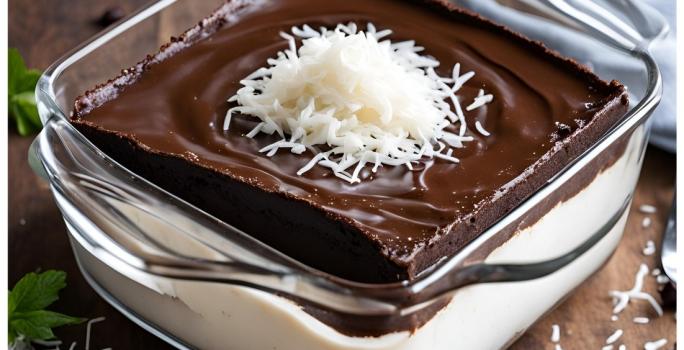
(668, 253)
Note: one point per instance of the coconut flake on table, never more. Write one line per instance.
(646, 223)
(89, 326)
(650, 248)
(555, 333)
(47, 343)
(622, 298)
(640, 320)
(662, 279)
(614, 337)
(647, 209)
(355, 99)
(655, 345)
(20, 343)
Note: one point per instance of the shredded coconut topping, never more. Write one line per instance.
(355, 99)
(480, 100)
(622, 298)
(481, 129)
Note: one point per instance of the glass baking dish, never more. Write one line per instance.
(197, 282)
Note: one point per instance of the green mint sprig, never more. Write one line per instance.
(27, 302)
(22, 100)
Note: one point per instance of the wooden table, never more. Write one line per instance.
(43, 30)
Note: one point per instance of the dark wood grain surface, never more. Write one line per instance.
(44, 30)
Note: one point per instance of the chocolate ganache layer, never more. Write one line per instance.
(163, 120)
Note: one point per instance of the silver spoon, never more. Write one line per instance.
(668, 255)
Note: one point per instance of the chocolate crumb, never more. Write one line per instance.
(111, 16)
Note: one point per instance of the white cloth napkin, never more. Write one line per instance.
(609, 64)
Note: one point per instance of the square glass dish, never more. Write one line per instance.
(198, 282)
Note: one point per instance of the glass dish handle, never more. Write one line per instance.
(601, 22)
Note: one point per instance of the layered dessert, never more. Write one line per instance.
(366, 139)
(166, 116)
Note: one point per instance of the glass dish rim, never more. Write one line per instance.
(633, 118)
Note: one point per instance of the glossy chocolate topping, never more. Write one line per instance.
(178, 107)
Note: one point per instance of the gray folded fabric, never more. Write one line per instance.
(663, 133)
(607, 63)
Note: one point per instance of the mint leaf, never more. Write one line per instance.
(27, 301)
(37, 291)
(23, 108)
(28, 82)
(21, 87)
(31, 330)
(20, 290)
(12, 334)
(15, 71)
(47, 318)
(24, 126)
